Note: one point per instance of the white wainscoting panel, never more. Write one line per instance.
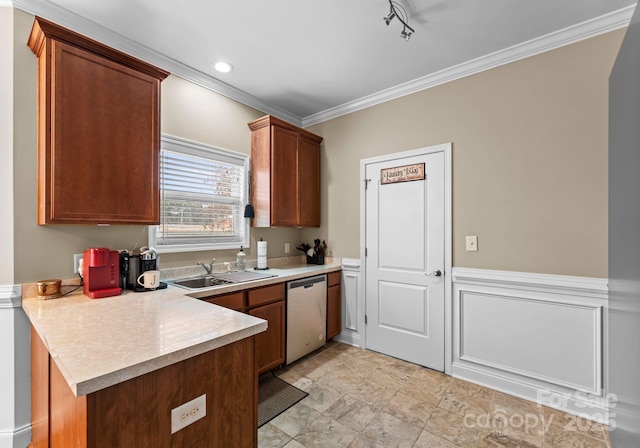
(352, 308)
(15, 395)
(350, 281)
(552, 342)
(532, 335)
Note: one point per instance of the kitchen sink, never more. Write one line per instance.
(208, 281)
(199, 282)
(243, 276)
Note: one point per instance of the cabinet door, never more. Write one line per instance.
(100, 159)
(309, 180)
(270, 343)
(284, 177)
(334, 323)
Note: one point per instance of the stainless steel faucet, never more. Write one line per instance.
(207, 267)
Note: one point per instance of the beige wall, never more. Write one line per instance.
(188, 111)
(529, 160)
(529, 163)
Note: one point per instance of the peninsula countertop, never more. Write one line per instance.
(97, 343)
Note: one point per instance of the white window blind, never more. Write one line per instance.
(202, 197)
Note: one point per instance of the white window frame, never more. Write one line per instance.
(189, 147)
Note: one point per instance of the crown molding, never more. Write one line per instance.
(576, 33)
(68, 19)
(585, 30)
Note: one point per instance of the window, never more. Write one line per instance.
(202, 197)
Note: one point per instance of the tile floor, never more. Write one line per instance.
(362, 399)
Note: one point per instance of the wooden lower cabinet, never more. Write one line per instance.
(334, 305)
(266, 303)
(137, 412)
(270, 344)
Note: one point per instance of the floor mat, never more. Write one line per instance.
(275, 396)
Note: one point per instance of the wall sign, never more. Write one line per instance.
(405, 173)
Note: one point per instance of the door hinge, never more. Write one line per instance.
(365, 319)
(366, 183)
(366, 252)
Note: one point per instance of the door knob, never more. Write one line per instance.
(436, 273)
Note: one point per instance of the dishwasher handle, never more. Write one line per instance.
(306, 282)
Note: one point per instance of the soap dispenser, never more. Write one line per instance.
(240, 260)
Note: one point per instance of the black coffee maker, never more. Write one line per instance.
(140, 261)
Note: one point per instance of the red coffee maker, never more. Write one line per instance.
(101, 272)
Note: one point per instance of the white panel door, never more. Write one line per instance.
(405, 246)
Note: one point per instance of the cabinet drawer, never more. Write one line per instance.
(264, 295)
(235, 300)
(333, 278)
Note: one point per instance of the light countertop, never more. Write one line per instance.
(97, 343)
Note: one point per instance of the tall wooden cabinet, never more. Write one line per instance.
(98, 131)
(285, 174)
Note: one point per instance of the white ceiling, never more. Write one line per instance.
(310, 60)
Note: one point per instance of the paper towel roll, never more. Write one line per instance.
(262, 254)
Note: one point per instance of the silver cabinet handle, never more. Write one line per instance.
(436, 273)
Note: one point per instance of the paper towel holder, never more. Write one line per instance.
(258, 268)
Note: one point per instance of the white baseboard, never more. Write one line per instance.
(537, 336)
(15, 438)
(349, 338)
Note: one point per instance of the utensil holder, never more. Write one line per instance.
(316, 259)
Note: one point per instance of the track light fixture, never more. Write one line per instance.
(406, 34)
(396, 10)
(390, 17)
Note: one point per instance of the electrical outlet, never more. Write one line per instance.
(76, 263)
(188, 413)
(472, 243)
(287, 248)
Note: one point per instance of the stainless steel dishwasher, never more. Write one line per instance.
(306, 316)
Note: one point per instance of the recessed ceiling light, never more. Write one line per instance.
(223, 67)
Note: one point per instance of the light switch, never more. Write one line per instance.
(472, 243)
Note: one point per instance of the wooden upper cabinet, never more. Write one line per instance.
(98, 131)
(309, 183)
(285, 174)
(285, 195)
